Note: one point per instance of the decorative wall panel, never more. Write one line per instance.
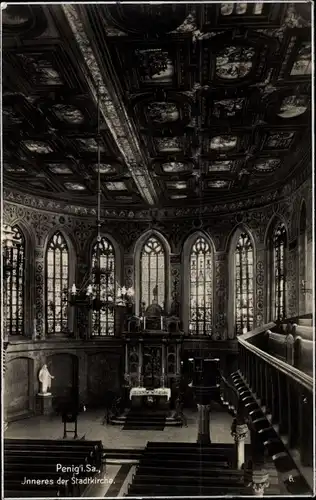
(292, 280)
(260, 284)
(39, 292)
(220, 298)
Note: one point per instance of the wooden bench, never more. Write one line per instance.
(200, 457)
(281, 346)
(305, 332)
(303, 355)
(188, 480)
(180, 471)
(186, 490)
(43, 461)
(194, 464)
(93, 450)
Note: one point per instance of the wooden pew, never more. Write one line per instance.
(180, 471)
(173, 463)
(93, 450)
(303, 355)
(305, 332)
(186, 490)
(38, 459)
(201, 457)
(188, 480)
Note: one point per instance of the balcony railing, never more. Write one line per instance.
(286, 395)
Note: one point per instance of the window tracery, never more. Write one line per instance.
(152, 273)
(243, 284)
(279, 267)
(201, 281)
(57, 285)
(103, 322)
(15, 280)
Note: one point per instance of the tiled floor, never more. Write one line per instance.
(112, 436)
(117, 480)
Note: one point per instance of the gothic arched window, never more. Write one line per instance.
(57, 284)
(14, 293)
(103, 321)
(243, 284)
(279, 268)
(201, 282)
(153, 273)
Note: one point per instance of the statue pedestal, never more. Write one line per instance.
(45, 403)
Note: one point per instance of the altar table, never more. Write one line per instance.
(142, 391)
(154, 398)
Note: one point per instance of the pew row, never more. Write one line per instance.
(50, 468)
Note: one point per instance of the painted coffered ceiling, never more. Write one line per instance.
(199, 102)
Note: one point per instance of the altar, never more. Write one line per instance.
(153, 397)
(153, 345)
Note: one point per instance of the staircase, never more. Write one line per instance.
(146, 419)
(122, 455)
(187, 469)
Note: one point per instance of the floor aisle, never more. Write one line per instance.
(118, 476)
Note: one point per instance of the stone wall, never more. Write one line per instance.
(92, 368)
(39, 225)
(97, 366)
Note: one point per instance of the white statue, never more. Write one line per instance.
(45, 379)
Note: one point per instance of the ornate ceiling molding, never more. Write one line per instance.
(114, 113)
(301, 182)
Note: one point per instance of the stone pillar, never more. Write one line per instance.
(204, 424)
(258, 479)
(140, 363)
(126, 362)
(39, 331)
(292, 299)
(5, 406)
(163, 364)
(260, 287)
(221, 282)
(239, 433)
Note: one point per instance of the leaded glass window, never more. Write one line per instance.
(241, 9)
(14, 293)
(153, 271)
(279, 247)
(201, 282)
(57, 285)
(243, 284)
(103, 321)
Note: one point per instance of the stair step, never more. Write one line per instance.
(150, 420)
(122, 453)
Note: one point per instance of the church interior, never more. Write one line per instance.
(157, 250)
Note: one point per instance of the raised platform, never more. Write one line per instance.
(147, 419)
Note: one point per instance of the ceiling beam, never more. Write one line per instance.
(112, 108)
